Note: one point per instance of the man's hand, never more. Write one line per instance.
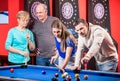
(37, 51)
(76, 68)
(85, 60)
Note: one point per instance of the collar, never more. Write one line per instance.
(89, 30)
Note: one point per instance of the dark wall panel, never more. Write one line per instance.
(67, 11)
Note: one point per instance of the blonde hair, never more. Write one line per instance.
(23, 15)
(65, 34)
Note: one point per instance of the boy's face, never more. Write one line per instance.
(82, 29)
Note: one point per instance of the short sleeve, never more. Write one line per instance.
(70, 42)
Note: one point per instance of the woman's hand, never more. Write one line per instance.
(24, 53)
(53, 59)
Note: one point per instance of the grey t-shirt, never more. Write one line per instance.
(44, 38)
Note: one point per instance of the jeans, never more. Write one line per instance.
(110, 66)
(43, 61)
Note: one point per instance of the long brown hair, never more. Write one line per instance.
(65, 34)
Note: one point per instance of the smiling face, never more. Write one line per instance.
(41, 12)
(82, 29)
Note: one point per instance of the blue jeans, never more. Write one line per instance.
(110, 66)
(43, 61)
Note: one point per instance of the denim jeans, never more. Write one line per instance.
(110, 66)
(43, 61)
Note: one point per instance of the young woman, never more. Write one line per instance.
(20, 40)
(65, 45)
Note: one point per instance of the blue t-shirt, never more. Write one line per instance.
(17, 39)
(69, 43)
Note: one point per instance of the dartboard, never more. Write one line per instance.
(30, 5)
(33, 7)
(68, 12)
(99, 11)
